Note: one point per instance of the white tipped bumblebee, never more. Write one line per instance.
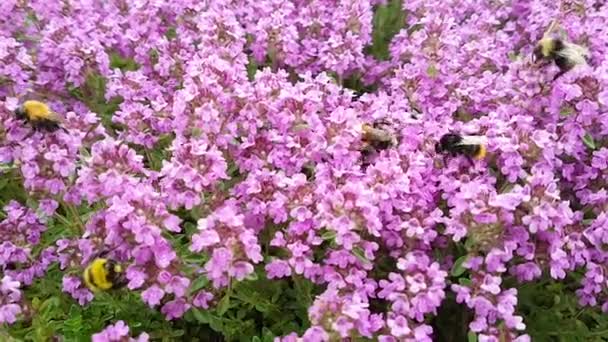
(558, 49)
(471, 146)
(103, 274)
(40, 116)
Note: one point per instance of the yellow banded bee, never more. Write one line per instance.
(565, 54)
(471, 146)
(40, 116)
(103, 274)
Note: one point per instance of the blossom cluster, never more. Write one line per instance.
(170, 123)
(117, 332)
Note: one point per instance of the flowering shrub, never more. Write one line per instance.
(214, 148)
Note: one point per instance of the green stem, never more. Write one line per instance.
(599, 333)
(150, 160)
(298, 282)
(75, 217)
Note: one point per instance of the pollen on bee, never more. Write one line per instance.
(482, 152)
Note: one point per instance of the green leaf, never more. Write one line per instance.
(557, 299)
(457, 268)
(201, 316)
(565, 111)
(261, 307)
(3, 182)
(223, 305)
(216, 324)
(198, 284)
(469, 243)
(588, 140)
(432, 71)
(36, 303)
(48, 306)
(359, 253)
(268, 336)
(329, 235)
(252, 277)
(388, 21)
(465, 282)
(177, 333)
(171, 33)
(124, 64)
(471, 337)
(252, 68)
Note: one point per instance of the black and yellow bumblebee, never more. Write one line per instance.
(103, 274)
(378, 136)
(40, 116)
(471, 146)
(564, 54)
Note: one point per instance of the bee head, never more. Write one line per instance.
(20, 113)
(116, 273)
(447, 140)
(438, 147)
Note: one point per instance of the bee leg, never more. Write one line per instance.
(99, 254)
(559, 74)
(444, 159)
(103, 254)
(32, 132)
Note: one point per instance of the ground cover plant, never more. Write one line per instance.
(214, 149)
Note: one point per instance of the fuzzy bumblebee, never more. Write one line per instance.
(103, 274)
(471, 146)
(379, 135)
(556, 48)
(39, 116)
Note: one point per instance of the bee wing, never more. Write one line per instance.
(56, 117)
(473, 140)
(376, 134)
(575, 53)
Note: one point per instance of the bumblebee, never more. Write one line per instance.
(40, 116)
(566, 55)
(379, 135)
(103, 274)
(376, 137)
(471, 146)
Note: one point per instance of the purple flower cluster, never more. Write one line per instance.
(312, 36)
(195, 137)
(10, 301)
(118, 332)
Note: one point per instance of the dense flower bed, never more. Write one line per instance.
(217, 143)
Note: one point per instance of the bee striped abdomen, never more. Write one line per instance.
(455, 144)
(481, 152)
(97, 275)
